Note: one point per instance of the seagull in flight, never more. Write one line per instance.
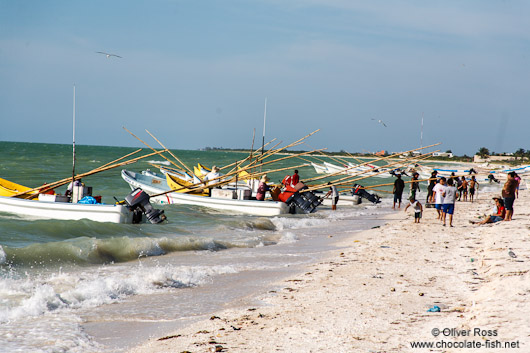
(380, 122)
(108, 54)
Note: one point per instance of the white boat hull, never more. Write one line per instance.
(65, 210)
(320, 169)
(252, 207)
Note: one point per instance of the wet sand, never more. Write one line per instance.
(373, 293)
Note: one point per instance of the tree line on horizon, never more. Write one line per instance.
(521, 153)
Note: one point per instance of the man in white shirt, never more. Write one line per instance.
(213, 176)
(448, 206)
(439, 189)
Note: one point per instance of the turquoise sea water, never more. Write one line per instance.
(64, 282)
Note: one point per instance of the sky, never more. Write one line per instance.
(196, 73)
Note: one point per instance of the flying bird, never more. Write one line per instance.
(380, 122)
(108, 54)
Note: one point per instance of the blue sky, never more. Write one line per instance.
(196, 73)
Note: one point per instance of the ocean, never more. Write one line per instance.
(83, 286)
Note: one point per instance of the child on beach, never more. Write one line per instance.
(463, 189)
(473, 185)
(417, 207)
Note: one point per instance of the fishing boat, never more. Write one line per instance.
(179, 173)
(62, 210)
(332, 168)
(319, 168)
(228, 199)
(136, 209)
(8, 188)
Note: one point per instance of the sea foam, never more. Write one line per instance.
(2, 256)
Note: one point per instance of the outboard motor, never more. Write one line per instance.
(138, 203)
(358, 191)
(312, 198)
(307, 201)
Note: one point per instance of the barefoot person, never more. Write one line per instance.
(498, 214)
(432, 182)
(448, 206)
(473, 185)
(414, 185)
(508, 193)
(417, 207)
(334, 196)
(399, 185)
(438, 190)
(463, 189)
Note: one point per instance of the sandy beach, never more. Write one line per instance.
(373, 293)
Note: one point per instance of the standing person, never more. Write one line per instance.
(463, 189)
(414, 185)
(438, 190)
(295, 178)
(448, 206)
(334, 196)
(416, 206)
(453, 176)
(458, 188)
(518, 180)
(473, 184)
(262, 188)
(432, 182)
(399, 185)
(508, 194)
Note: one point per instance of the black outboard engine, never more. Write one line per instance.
(138, 203)
(359, 191)
(307, 201)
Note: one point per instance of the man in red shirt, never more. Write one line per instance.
(295, 178)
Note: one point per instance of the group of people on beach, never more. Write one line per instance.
(444, 192)
(465, 187)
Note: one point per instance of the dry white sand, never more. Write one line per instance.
(374, 293)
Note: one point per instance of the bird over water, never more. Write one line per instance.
(108, 54)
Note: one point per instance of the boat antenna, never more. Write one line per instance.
(73, 143)
(421, 133)
(264, 123)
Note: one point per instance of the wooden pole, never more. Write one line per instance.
(297, 142)
(352, 156)
(65, 181)
(335, 182)
(171, 153)
(119, 159)
(333, 158)
(145, 143)
(234, 163)
(376, 160)
(200, 186)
